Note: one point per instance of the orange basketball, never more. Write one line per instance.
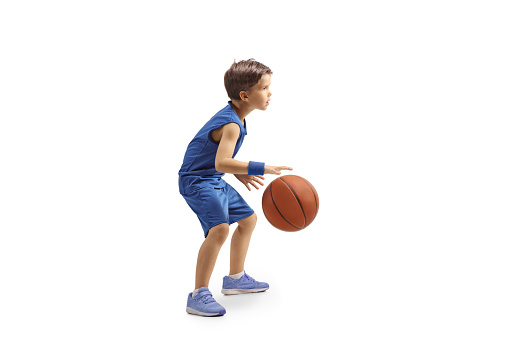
(290, 203)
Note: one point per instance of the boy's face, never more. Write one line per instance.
(259, 94)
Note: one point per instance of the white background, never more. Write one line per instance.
(396, 111)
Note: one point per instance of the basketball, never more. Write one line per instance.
(290, 203)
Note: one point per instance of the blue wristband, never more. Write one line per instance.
(256, 168)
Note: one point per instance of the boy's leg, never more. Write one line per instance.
(239, 246)
(240, 243)
(208, 253)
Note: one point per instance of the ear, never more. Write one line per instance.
(243, 96)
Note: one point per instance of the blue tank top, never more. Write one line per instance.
(198, 169)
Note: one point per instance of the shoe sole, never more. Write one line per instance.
(203, 314)
(233, 291)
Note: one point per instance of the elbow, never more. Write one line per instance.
(220, 166)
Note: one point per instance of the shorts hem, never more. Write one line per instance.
(247, 215)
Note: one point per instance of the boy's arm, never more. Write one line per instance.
(224, 160)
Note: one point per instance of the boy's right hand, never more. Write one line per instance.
(276, 169)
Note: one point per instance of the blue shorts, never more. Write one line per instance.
(215, 206)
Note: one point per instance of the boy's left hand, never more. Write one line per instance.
(252, 180)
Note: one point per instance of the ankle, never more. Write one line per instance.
(236, 275)
(195, 292)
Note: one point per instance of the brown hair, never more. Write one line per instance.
(243, 75)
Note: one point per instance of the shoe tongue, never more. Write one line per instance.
(201, 289)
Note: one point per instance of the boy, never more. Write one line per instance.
(208, 157)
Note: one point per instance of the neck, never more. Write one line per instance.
(241, 108)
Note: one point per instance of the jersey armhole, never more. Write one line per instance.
(209, 135)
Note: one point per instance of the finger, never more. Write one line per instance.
(246, 184)
(254, 185)
(258, 181)
(250, 182)
(280, 168)
(260, 177)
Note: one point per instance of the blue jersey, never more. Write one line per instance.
(199, 169)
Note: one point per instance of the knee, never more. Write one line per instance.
(254, 219)
(249, 222)
(219, 233)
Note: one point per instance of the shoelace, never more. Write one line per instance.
(247, 277)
